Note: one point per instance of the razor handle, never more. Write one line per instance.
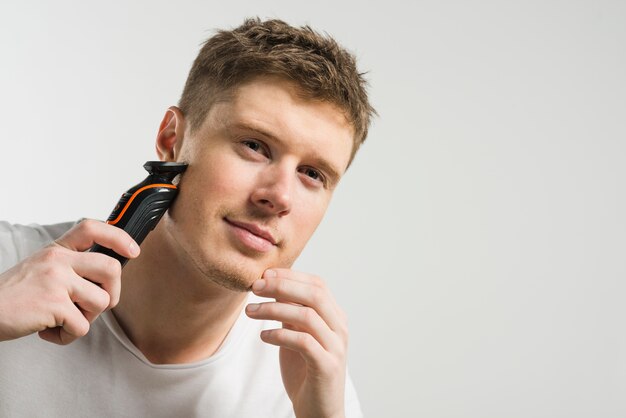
(141, 207)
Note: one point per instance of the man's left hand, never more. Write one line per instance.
(313, 340)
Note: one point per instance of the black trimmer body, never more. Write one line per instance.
(142, 206)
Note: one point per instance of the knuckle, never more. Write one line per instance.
(343, 318)
(317, 297)
(344, 332)
(52, 254)
(81, 329)
(52, 274)
(308, 315)
(88, 226)
(114, 299)
(318, 281)
(305, 340)
(112, 266)
(113, 294)
(104, 300)
(342, 346)
(115, 267)
(56, 296)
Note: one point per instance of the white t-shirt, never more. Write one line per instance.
(104, 375)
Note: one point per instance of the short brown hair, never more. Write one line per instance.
(316, 63)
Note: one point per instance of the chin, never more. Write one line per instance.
(226, 270)
(237, 275)
(236, 279)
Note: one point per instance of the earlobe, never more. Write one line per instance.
(170, 136)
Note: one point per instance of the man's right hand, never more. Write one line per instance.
(60, 290)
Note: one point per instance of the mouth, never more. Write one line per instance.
(252, 235)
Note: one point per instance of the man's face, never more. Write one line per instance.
(262, 170)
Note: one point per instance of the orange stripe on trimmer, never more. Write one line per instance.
(150, 186)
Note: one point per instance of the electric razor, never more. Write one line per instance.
(142, 206)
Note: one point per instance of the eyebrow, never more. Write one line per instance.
(324, 165)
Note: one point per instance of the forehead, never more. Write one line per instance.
(279, 109)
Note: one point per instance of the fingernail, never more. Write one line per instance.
(258, 285)
(134, 249)
(252, 307)
(270, 273)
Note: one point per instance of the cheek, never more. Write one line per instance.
(308, 217)
(216, 182)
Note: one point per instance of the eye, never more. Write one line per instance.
(256, 147)
(313, 174)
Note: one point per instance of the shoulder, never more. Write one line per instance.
(19, 241)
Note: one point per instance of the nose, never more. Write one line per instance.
(273, 192)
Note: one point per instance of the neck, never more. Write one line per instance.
(169, 310)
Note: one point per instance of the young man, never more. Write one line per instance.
(269, 120)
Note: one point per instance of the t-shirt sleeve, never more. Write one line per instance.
(353, 407)
(19, 241)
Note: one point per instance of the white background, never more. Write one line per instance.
(478, 241)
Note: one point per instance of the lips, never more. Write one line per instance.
(253, 235)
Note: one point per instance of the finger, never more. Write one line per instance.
(89, 232)
(297, 276)
(56, 335)
(301, 293)
(71, 332)
(298, 341)
(72, 325)
(306, 278)
(101, 269)
(289, 274)
(51, 335)
(91, 299)
(302, 318)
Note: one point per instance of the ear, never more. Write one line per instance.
(171, 133)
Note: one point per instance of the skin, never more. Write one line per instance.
(47, 292)
(262, 170)
(271, 159)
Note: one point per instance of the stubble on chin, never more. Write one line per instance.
(225, 275)
(228, 277)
